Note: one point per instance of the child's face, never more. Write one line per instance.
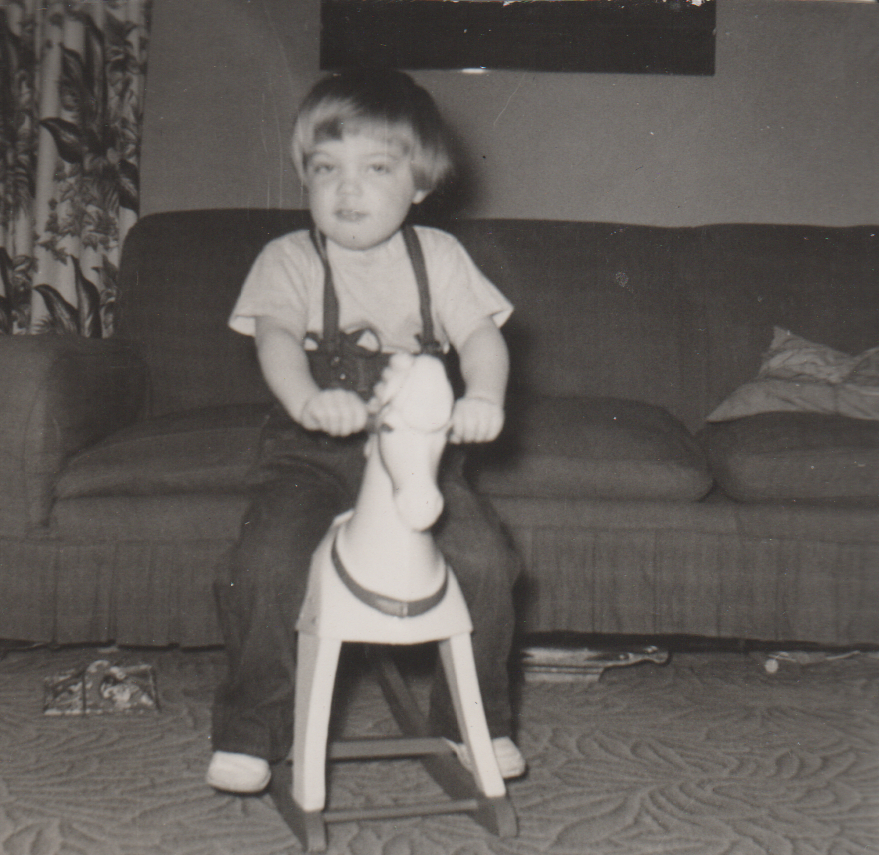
(360, 188)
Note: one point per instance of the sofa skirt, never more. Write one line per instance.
(711, 569)
(718, 570)
(133, 594)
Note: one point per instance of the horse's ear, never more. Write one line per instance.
(393, 378)
(427, 396)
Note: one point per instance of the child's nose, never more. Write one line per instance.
(349, 183)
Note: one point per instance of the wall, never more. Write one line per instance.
(786, 131)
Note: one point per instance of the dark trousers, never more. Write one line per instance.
(306, 479)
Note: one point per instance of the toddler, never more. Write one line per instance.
(327, 307)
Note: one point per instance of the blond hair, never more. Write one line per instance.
(386, 101)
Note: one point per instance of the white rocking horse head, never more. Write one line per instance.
(412, 411)
(379, 561)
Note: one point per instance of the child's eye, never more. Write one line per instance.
(321, 168)
(380, 168)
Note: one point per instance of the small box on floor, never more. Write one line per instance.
(101, 688)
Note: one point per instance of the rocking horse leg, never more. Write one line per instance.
(317, 661)
(495, 810)
(457, 658)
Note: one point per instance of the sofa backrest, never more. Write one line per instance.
(676, 317)
(179, 277)
(599, 309)
(821, 283)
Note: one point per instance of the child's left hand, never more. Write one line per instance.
(476, 420)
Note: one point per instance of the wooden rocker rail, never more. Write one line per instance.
(496, 814)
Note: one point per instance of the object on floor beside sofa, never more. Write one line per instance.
(101, 687)
(770, 660)
(560, 662)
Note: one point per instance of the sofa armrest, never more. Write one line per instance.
(58, 394)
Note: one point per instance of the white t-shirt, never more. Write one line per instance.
(376, 289)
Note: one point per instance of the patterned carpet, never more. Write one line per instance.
(708, 755)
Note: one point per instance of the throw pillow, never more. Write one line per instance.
(798, 375)
(796, 457)
(592, 448)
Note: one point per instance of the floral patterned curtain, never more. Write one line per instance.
(71, 98)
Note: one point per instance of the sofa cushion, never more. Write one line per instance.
(203, 450)
(592, 448)
(796, 456)
(798, 375)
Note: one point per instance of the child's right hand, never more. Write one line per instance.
(337, 412)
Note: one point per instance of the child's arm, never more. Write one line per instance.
(485, 365)
(285, 367)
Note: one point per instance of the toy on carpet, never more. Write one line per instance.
(101, 687)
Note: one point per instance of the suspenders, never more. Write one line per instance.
(339, 361)
(426, 339)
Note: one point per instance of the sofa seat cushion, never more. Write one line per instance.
(598, 448)
(202, 450)
(797, 457)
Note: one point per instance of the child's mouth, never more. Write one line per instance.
(350, 216)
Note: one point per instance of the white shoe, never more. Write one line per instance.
(238, 773)
(509, 758)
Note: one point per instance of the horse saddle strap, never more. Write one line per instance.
(387, 605)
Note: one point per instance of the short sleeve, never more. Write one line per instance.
(464, 296)
(277, 285)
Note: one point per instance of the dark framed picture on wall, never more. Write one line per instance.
(611, 36)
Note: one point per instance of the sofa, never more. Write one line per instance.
(124, 462)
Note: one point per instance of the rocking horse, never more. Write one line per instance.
(378, 577)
